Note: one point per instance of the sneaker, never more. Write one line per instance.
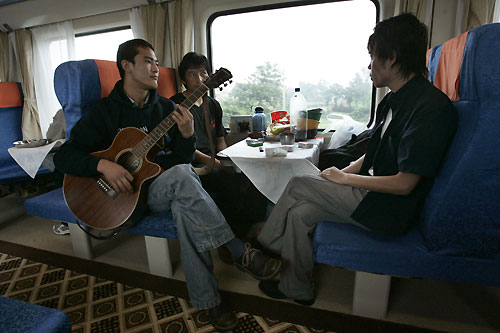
(222, 318)
(60, 229)
(259, 265)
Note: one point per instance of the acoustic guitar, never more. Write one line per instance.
(93, 200)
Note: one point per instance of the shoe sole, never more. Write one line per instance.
(225, 329)
(61, 233)
(305, 303)
(298, 301)
(246, 270)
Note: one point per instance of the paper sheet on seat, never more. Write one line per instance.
(30, 159)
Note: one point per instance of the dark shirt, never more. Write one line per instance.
(423, 124)
(198, 112)
(96, 131)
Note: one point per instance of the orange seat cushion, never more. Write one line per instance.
(10, 95)
(109, 75)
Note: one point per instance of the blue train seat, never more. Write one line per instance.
(18, 316)
(458, 235)
(11, 113)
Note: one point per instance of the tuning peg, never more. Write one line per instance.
(225, 84)
(230, 81)
(220, 88)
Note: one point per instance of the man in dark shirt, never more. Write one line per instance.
(193, 70)
(237, 198)
(382, 191)
(200, 226)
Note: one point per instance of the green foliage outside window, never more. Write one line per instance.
(265, 88)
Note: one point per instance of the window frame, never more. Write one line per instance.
(102, 31)
(97, 32)
(282, 5)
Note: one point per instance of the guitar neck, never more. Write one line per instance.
(141, 149)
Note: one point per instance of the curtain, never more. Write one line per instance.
(496, 12)
(136, 23)
(168, 26)
(13, 63)
(472, 14)
(23, 50)
(422, 9)
(181, 30)
(53, 44)
(4, 57)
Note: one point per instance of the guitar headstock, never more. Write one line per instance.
(219, 77)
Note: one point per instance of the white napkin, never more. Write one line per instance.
(30, 159)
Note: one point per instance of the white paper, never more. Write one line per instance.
(30, 159)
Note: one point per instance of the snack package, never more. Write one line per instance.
(280, 123)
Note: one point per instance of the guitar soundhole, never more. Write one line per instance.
(129, 161)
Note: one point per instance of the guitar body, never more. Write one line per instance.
(96, 204)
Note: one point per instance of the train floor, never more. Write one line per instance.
(432, 304)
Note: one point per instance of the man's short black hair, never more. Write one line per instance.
(192, 60)
(404, 37)
(128, 50)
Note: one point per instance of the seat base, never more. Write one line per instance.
(157, 228)
(371, 295)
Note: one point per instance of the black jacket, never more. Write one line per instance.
(96, 131)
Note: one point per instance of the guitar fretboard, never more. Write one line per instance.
(141, 149)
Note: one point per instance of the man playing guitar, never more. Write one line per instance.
(134, 102)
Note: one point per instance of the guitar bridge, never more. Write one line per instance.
(106, 188)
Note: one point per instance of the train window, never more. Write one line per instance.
(101, 45)
(320, 48)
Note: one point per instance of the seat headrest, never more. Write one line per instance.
(109, 75)
(444, 64)
(11, 94)
(11, 113)
(480, 78)
(79, 84)
(458, 68)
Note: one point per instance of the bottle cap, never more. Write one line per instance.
(259, 109)
(297, 89)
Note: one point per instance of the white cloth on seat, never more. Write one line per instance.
(30, 159)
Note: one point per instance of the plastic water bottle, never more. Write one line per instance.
(259, 120)
(298, 103)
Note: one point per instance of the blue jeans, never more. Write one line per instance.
(200, 227)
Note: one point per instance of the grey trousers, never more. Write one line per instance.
(288, 231)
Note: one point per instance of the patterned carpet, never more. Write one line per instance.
(95, 304)
(99, 297)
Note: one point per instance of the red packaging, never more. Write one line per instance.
(278, 115)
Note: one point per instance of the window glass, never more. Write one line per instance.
(102, 46)
(320, 48)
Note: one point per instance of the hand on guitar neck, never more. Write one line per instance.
(117, 176)
(184, 121)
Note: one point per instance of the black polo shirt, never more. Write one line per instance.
(198, 112)
(423, 124)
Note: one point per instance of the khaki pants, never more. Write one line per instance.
(306, 201)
